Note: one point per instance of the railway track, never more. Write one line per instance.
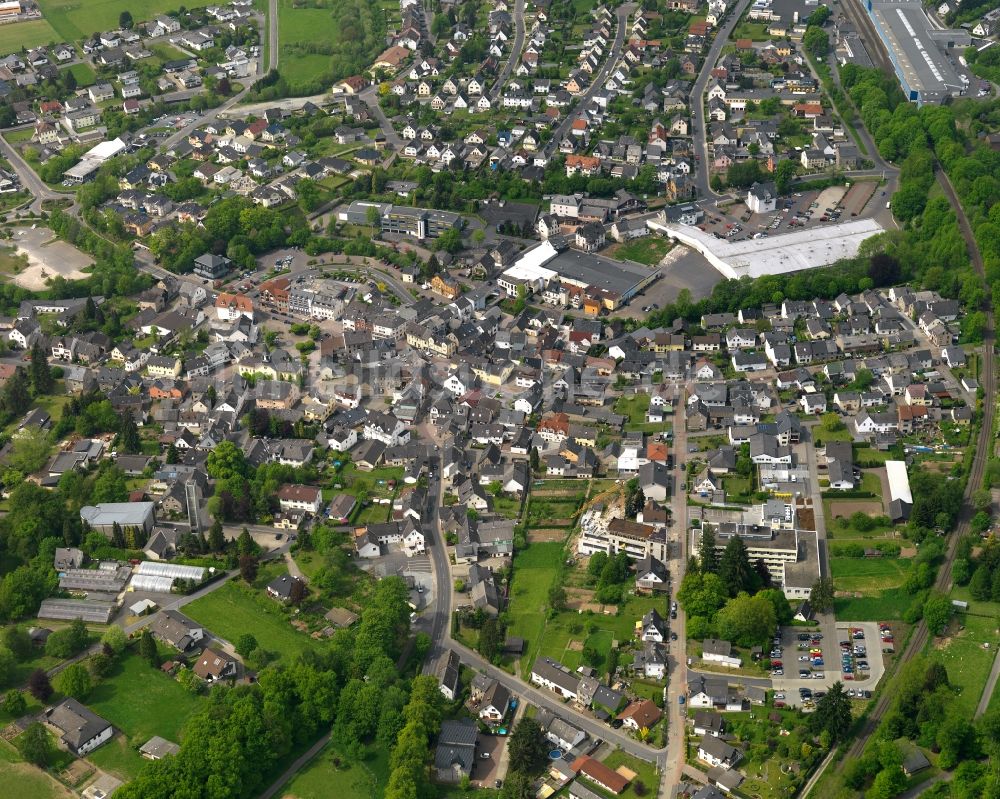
(870, 38)
(918, 639)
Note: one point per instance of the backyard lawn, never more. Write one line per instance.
(645, 773)
(232, 610)
(566, 635)
(821, 435)
(647, 250)
(84, 74)
(756, 31)
(119, 758)
(321, 778)
(142, 701)
(534, 570)
(508, 507)
(633, 407)
(889, 604)
(74, 20)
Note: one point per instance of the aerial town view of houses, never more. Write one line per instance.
(501, 399)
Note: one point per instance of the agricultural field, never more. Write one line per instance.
(33, 33)
(73, 20)
(233, 609)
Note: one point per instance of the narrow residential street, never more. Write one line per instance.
(622, 14)
(515, 50)
(672, 759)
(699, 128)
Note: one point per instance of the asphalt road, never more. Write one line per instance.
(272, 35)
(438, 618)
(248, 83)
(515, 50)
(370, 98)
(30, 180)
(622, 14)
(700, 130)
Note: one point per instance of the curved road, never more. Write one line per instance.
(29, 179)
(439, 616)
(622, 15)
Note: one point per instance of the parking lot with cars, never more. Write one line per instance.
(811, 662)
(736, 222)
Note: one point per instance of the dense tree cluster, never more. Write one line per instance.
(728, 596)
(611, 575)
(232, 743)
(234, 227)
(246, 493)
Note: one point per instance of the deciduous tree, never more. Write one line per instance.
(35, 745)
(39, 685)
(74, 681)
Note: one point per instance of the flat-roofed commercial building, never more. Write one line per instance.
(916, 50)
(613, 282)
(421, 223)
(791, 556)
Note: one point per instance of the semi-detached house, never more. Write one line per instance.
(553, 675)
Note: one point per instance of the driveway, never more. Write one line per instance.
(486, 770)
